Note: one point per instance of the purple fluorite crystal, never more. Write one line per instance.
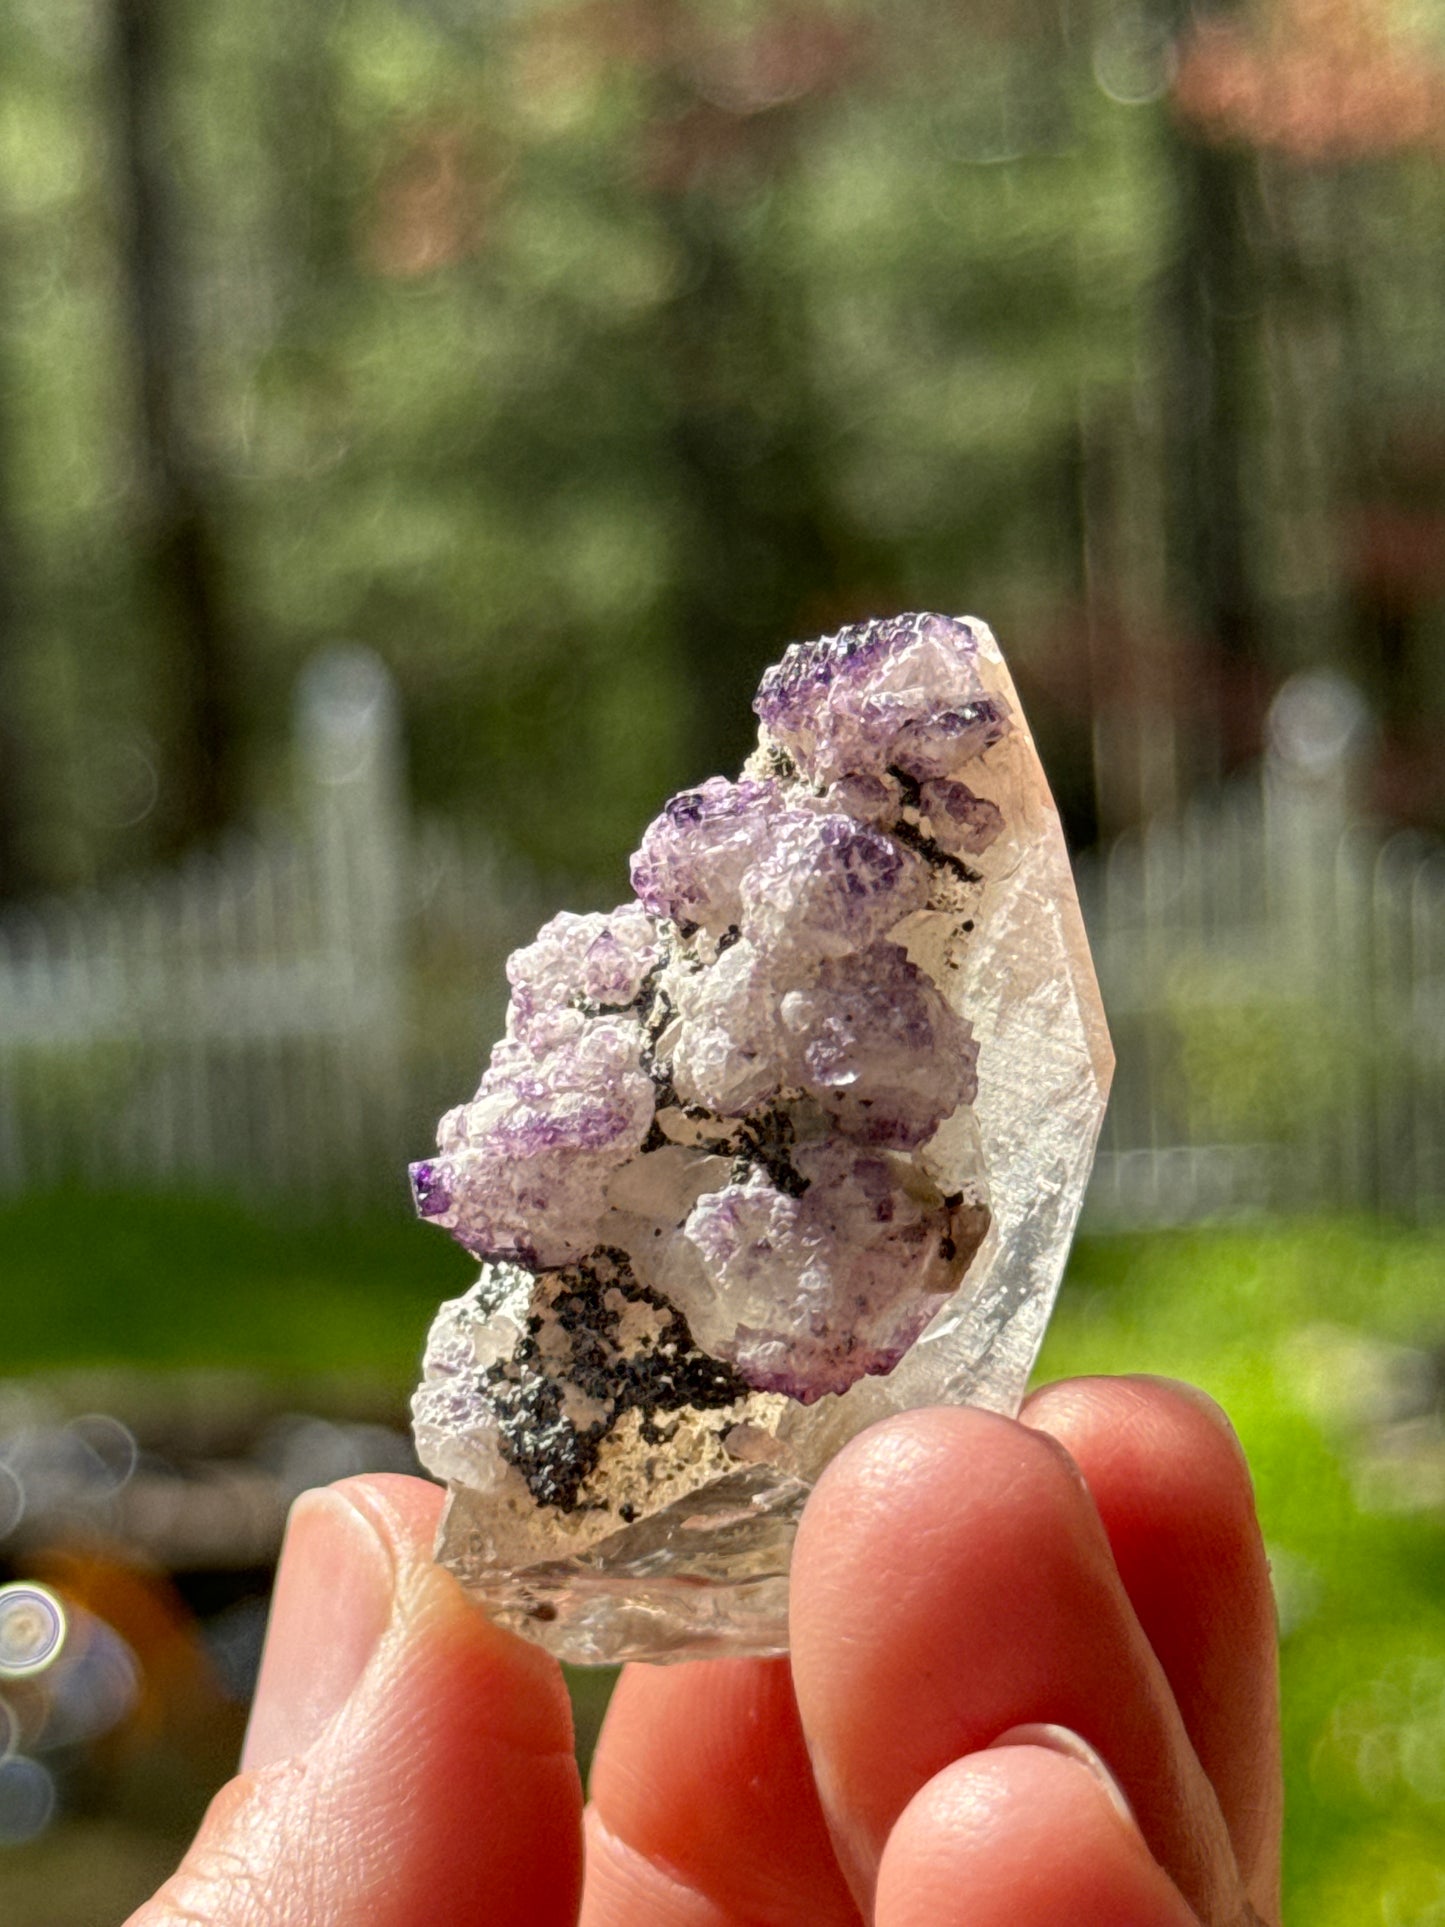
(907, 694)
(752, 992)
(805, 1286)
(724, 1167)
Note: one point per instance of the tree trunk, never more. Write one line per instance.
(1211, 329)
(17, 874)
(17, 870)
(179, 548)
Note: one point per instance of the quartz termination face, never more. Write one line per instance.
(795, 1138)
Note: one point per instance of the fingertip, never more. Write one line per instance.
(1022, 1836)
(1161, 1457)
(1137, 1403)
(925, 1479)
(410, 1761)
(404, 1510)
(879, 1468)
(1068, 1745)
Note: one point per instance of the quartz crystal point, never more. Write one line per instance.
(796, 1139)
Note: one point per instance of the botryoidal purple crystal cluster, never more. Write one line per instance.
(796, 1138)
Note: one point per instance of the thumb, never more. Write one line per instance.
(407, 1761)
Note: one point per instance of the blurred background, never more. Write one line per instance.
(420, 421)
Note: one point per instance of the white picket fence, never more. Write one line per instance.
(1274, 972)
(291, 1015)
(287, 1015)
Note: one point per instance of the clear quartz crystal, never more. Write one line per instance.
(796, 1139)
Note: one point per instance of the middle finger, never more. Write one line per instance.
(952, 1580)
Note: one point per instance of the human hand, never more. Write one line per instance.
(982, 1616)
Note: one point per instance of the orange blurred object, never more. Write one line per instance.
(1327, 81)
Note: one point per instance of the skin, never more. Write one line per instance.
(1032, 1681)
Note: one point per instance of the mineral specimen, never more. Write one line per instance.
(795, 1139)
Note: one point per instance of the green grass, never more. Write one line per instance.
(1272, 1320)
(183, 1281)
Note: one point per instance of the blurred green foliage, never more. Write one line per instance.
(1282, 1323)
(515, 355)
(575, 356)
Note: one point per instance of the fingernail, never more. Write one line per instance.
(1062, 1739)
(331, 1605)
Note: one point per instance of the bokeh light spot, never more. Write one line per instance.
(32, 1629)
(27, 1801)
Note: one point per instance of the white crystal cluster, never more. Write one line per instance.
(732, 1160)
